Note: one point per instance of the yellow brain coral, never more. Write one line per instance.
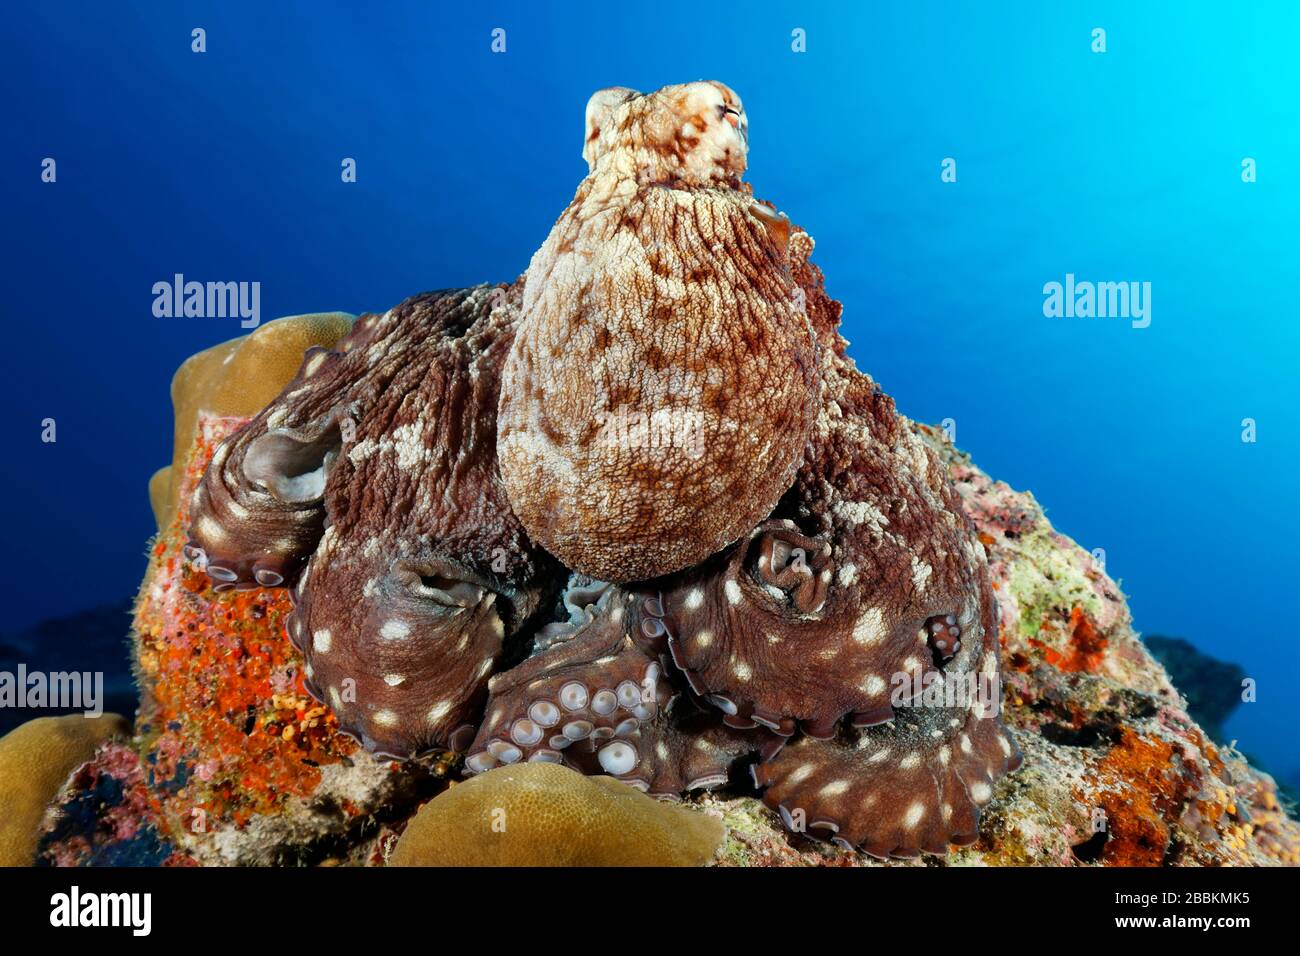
(35, 760)
(544, 814)
(238, 378)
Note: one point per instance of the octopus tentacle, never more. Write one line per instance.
(602, 701)
(258, 511)
(406, 661)
(914, 786)
(761, 633)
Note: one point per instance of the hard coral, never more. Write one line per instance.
(543, 814)
(35, 760)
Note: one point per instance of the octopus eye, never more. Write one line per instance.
(292, 464)
(793, 565)
(439, 582)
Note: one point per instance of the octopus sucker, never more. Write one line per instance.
(601, 702)
(500, 540)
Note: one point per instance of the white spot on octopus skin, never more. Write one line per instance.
(1005, 745)
(322, 641)
(981, 792)
(800, 774)
(834, 788)
(395, 630)
(336, 699)
(914, 814)
(208, 528)
(965, 744)
(392, 680)
(732, 590)
(920, 574)
(385, 718)
(742, 671)
(848, 575)
(879, 756)
(911, 761)
(944, 755)
(313, 365)
(704, 638)
(695, 600)
(874, 685)
(870, 628)
(438, 711)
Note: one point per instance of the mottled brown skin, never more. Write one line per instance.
(416, 568)
(663, 295)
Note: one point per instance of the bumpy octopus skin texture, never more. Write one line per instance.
(371, 486)
(842, 647)
(662, 385)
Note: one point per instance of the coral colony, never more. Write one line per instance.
(475, 566)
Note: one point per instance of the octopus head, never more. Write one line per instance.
(689, 134)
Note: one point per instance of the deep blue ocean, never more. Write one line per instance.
(1123, 166)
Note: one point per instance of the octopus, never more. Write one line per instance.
(838, 654)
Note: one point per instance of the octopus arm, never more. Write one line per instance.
(763, 633)
(602, 702)
(258, 511)
(915, 785)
